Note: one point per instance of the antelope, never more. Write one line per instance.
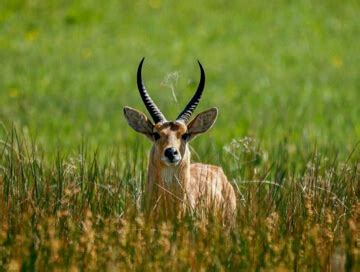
(174, 185)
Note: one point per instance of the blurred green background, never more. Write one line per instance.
(278, 71)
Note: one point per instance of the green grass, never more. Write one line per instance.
(72, 172)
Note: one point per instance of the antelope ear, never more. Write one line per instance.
(138, 121)
(202, 122)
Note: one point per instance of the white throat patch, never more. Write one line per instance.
(168, 175)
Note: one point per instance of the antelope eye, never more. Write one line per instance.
(185, 136)
(156, 136)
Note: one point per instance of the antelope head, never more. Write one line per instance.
(170, 138)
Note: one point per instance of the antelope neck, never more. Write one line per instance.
(169, 175)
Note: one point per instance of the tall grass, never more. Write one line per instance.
(72, 175)
(84, 211)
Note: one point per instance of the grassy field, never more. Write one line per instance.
(285, 77)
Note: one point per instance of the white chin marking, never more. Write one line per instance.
(169, 163)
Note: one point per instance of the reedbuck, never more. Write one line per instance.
(174, 184)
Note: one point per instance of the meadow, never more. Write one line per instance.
(285, 77)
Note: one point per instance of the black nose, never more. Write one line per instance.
(171, 153)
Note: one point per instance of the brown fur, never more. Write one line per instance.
(197, 187)
(176, 187)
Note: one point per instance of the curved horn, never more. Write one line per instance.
(191, 106)
(154, 111)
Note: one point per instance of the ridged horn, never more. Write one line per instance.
(154, 111)
(191, 106)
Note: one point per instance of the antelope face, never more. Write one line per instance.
(170, 138)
